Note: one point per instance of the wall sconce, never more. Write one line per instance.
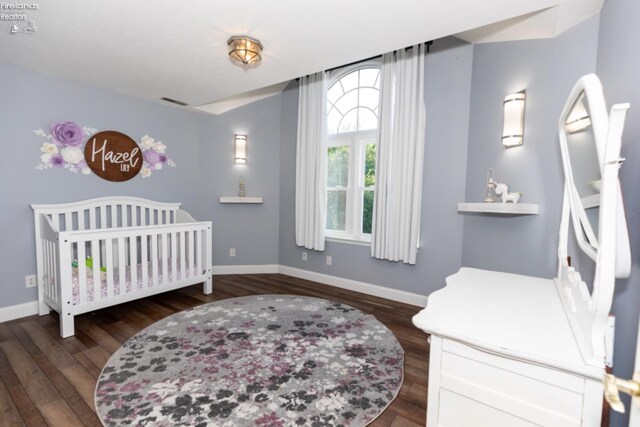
(578, 119)
(241, 149)
(513, 119)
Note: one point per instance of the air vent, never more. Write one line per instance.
(173, 101)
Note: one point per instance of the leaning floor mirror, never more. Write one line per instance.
(515, 350)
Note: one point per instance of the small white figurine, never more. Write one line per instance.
(507, 197)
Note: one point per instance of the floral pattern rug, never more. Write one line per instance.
(269, 361)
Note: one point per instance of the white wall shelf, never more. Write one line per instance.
(238, 199)
(500, 208)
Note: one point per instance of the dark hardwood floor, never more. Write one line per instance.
(46, 380)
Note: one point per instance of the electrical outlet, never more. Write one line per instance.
(304, 256)
(30, 281)
(328, 259)
(232, 252)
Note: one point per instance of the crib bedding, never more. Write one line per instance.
(190, 271)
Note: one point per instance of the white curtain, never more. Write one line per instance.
(311, 170)
(398, 193)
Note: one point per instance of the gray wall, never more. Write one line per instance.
(547, 69)
(251, 229)
(200, 144)
(447, 89)
(619, 68)
(32, 100)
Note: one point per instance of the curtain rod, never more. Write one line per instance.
(428, 46)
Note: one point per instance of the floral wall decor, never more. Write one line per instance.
(63, 148)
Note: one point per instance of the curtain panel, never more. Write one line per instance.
(399, 162)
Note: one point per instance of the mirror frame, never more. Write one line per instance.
(590, 89)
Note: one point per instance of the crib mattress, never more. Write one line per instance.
(190, 271)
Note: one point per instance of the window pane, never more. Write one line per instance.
(350, 81)
(338, 166)
(349, 122)
(336, 210)
(366, 119)
(370, 165)
(348, 101)
(334, 92)
(367, 211)
(333, 120)
(368, 77)
(369, 97)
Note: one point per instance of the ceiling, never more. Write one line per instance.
(178, 50)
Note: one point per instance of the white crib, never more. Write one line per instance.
(134, 247)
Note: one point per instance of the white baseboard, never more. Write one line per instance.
(31, 308)
(246, 269)
(354, 285)
(19, 310)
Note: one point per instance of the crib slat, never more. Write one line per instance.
(82, 273)
(143, 216)
(109, 250)
(92, 218)
(68, 221)
(183, 271)
(134, 216)
(199, 251)
(144, 261)
(154, 259)
(165, 270)
(103, 216)
(122, 266)
(81, 219)
(189, 235)
(133, 262)
(174, 258)
(125, 215)
(97, 263)
(152, 216)
(114, 216)
(47, 267)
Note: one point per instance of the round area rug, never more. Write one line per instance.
(254, 361)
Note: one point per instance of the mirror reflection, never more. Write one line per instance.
(583, 154)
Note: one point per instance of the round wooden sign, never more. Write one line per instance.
(113, 156)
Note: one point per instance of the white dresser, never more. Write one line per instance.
(512, 350)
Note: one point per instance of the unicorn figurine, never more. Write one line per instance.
(507, 197)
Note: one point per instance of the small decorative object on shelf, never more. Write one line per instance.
(241, 187)
(507, 197)
(490, 189)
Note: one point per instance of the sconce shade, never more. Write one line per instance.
(245, 50)
(513, 130)
(578, 119)
(241, 149)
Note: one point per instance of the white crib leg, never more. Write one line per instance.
(43, 309)
(208, 286)
(66, 325)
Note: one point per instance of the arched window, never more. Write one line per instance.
(352, 125)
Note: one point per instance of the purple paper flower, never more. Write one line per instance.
(57, 160)
(81, 164)
(67, 134)
(163, 159)
(152, 157)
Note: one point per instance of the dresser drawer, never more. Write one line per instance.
(488, 383)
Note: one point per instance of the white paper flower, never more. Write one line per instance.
(158, 166)
(45, 158)
(147, 142)
(86, 171)
(49, 148)
(145, 172)
(72, 155)
(160, 147)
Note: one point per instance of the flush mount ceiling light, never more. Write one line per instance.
(245, 50)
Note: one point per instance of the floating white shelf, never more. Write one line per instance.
(500, 208)
(238, 199)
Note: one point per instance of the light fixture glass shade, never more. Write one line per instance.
(513, 130)
(245, 50)
(578, 118)
(241, 149)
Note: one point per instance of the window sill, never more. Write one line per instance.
(347, 241)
